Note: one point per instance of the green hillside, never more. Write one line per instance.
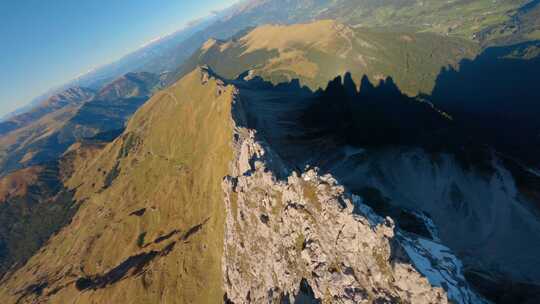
(316, 52)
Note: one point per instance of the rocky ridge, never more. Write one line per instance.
(305, 236)
(191, 204)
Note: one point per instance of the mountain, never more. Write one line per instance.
(130, 85)
(34, 204)
(315, 52)
(132, 62)
(65, 99)
(40, 153)
(163, 237)
(476, 20)
(139, 60)
(522, 25)
(44, 133)
(458, 19)
(346, 152)
(183, 236)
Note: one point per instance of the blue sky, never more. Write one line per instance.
(44, 43)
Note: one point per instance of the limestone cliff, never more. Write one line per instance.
(302, 236)
(191, 205)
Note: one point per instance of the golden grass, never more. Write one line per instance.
(293, 61)
(175, 172)
(281, 37)
(310, 193)
(17, 183)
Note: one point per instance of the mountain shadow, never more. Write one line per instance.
(293, 118)
(35, 203)
(495, 99)
(438, 156)
(373, 115)
(36, 207)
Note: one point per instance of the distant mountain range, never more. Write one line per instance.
(488, 22)
(46, 131)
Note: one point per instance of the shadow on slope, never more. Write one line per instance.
(43, 134)
(495, 98)
(488, 127)
(33, 207)
(373, 115)
(36, 202)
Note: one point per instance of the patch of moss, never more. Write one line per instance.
(382, 263)
(234, 204)
(310, 193)
(299, 242)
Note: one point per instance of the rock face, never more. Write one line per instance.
(290, 235)
(194, 203)
(419, 168)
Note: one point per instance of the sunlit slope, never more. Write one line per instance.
(462, 18)
(150, 225)
(316, 52)
(43, 134)
(34, 204)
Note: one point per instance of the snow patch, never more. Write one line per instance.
(430, 226)
(440, 266)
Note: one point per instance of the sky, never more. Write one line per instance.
(45, 43)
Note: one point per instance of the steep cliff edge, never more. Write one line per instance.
(408, 160)
(302, 237)
(192, 205)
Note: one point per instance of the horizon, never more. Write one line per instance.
(41, 59)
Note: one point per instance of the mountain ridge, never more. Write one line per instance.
(192, 231)
(61, 122)
(319, 158)
(441, 19)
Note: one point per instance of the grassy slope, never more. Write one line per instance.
(459, 18)
(47, 138)
(317, 52)
(523, 25)
(23, 145)
(170, 161)
(34, 204)
(456, 18)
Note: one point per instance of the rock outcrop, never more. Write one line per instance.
(192, 205)
(288, 232)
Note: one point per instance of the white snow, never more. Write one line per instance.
(440, 267)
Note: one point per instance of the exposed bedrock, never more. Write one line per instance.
(293, 231)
